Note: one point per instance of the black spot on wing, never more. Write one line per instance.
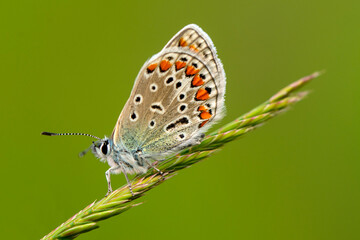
(181, 121)
(155, 106)
(208, 90)
(169, 80)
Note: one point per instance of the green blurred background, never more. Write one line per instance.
(70, 66)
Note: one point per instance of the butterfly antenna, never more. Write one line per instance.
(69, 134)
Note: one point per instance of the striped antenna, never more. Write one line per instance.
(68, 134)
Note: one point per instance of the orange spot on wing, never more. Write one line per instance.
(152, 67)
(192, 47)
(205, 115)
(182, 42)
(197, 81)
(165, 65)
(202, 94)
(180, 65)
(190, 70)
(202, 108)
(203, 123)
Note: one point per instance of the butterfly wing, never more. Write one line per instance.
(177, 95)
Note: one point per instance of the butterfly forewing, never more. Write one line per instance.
(177, 95)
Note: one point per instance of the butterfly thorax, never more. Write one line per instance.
(131, 161)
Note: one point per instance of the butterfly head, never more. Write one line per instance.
(102, 148)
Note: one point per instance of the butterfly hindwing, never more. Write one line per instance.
(177, 95)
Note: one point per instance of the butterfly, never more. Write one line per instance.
(177, 95)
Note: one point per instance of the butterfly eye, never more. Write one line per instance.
(105, 148)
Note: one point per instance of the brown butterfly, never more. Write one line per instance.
(177, 95)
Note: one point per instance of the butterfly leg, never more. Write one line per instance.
(140, 159)
(107, 175)
(127, 180)
(158, 170)
(108, 179)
